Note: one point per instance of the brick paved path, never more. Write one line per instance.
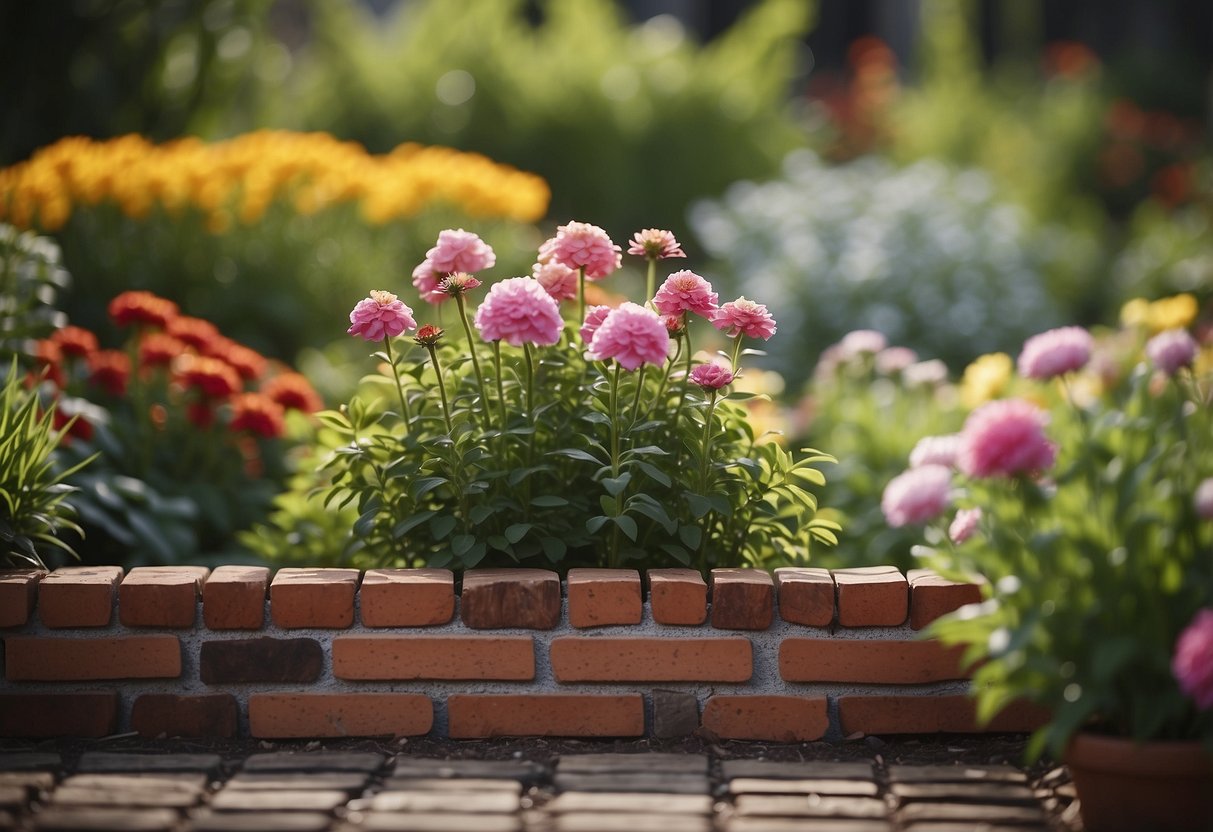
(346, 791)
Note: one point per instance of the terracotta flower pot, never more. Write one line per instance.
(1126, 786)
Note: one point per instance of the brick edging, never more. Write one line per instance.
(800, 654)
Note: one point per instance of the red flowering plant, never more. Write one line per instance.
(543, 427)
(1085, 506)
(189, 429)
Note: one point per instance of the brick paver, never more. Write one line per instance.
(332, 790)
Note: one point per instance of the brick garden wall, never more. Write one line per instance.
(798, 655)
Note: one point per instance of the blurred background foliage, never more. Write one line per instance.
(955, 173)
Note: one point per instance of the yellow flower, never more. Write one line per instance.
(1135, 313)
(1175, 312)
(985, 379)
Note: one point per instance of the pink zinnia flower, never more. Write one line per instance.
(1202, 500)
(711, 376)
(380, 315)
(557, 279)
(655, 244)
(894, 359)
(916, 495)
(580, 244)
(458, 283)
(925, 373)
(547, 251)
(594, 316)
(632, 335)
(460, 251)
(1171, 350)
(1004, 438)
(744, 317)
(674, 324)
(861, 342)
(1055, 352)
(936, 450)
(685, 291)
(428, 283)
(1192, 664)
(519, 311)
(964, 524)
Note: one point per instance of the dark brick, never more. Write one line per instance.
(117, 762)
(261, 659)
(742, 599)
(208, 715)
(499, 598)
(675, 714)
(314, 761)
(84, 818)
(82, 714)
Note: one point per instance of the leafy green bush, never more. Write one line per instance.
(926, 254)
(629, 121)
(31, 280)
(33, 488)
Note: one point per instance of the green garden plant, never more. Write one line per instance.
(524, 438)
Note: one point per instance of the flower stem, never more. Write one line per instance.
(650, 284)
(736, 354)
(636, 397)
(665, 380)
(404, 405)
(500, 382)
(580, 295)
(467, 328)
(686, 385)
(613, 557)
(703, 476)
(446, 408)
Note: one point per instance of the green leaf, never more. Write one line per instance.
(549, 501)
(461, 544)
(594, 524)
(615, 485)
(811, 474)
(594, 417)
(691, 536)
(654, 473)
(697, 503)
(442, 526)
(677, 553)
(517, 531)
(576, 453)
(420, 487)
(480, 513)
(553, 548)
(628, 526)
(474, 555)
(411, 522)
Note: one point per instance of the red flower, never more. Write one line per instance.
(200, 414)
(75, 341)
(293, 392)
(158, 349)
(211, 377)
(48, 359)
(110, 370)
(81, 428)
(249, 363)
(196, 332)
(142, 309)
(257, 414)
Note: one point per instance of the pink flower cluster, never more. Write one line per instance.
(632, 335)
(581, 245)
(916, 496)
(744, 317)
(1005, 438)
(456, 251)
(711, 376)
(518, 310)
(382, 315)
(1055, 352)
(1192, 664)
(686, 291)
(1172, 350)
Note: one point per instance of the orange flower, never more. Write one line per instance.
(258, 414)
(142, 309)
(195, 332)
(293, 392)
(110, 370)
(75, 341)
(211, 377)
(158, 349)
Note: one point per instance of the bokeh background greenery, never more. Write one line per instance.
(954, 173)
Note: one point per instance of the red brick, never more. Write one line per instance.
(806, 595)
(264, 659)
(92, 713)
(499, 598)
(767, 718)
(932, 595)
(742, 599)
(407, 597)
(872, 596)
(233, 598)
(18, 588)
(52, 659)
(321, 598)
(678, 597)
(78, 596)
(882, 661)
(598, 597)
(577, 659)
(207, 715)
(454, 657)
(545, 715)
(289, 715)
(160, 596)
(952, 713)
